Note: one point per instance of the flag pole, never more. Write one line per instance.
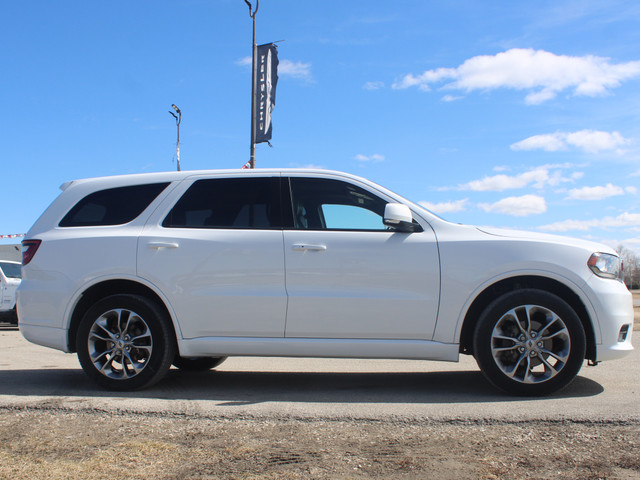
(252, 151)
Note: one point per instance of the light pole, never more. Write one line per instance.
(252, 151)
(178, 120)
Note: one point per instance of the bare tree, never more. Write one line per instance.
(631, 262)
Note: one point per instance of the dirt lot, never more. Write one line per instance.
(45, 442)
(61, 444)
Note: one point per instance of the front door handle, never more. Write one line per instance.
(159, 245)
(302, 247)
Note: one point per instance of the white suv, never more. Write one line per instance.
(137, 272)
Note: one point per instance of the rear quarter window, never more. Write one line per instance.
(113, 206)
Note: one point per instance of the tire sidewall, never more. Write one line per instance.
(494, 312)
(162, 336)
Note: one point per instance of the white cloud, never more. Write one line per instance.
(544, 74)
(623, 220)
(633, 243)
(298, 70)
(244, 61)
(451, 98)
(375, 158)
(288, 68)
(308, 166)
(373, 86)
(595, 193)
(594, 141)
(538, 177)
(499, 183)
(551, 142)
(445, 207)
(517, 206)
(590, 141)
(567, 225)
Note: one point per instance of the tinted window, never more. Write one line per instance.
(11, 270)
(326, 204)
(228, 203)
(114, 206)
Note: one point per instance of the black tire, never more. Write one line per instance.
(11, 317)
(529, 342)
(197, 364)
(14, 317)
(125, 342)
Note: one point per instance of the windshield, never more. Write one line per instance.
(11, 270)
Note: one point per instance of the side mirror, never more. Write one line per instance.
(398, 217)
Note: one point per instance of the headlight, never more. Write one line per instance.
(605, 265)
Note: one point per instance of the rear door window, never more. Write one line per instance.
(241, 203)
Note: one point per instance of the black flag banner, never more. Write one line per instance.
(267, 78)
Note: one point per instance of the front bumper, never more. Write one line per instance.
(613, 305)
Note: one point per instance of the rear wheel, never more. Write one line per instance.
(197, 364)
(125, 342)
(529, 342)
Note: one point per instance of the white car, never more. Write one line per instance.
(137, 272)
(9, 281)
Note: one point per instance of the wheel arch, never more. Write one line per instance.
(107, 288)
(526, 281)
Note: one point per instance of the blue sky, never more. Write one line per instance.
(507, 113)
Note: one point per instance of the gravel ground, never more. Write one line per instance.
(59, 444)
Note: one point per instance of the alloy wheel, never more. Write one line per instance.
(120, 344)
(530, 344)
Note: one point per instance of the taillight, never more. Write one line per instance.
(29, 248)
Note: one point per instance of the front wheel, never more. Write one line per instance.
(529, 342)
(125, 342)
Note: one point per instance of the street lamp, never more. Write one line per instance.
(178, 118)
(254, 49)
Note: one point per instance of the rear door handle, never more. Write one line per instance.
(159, 245)
(302, 247)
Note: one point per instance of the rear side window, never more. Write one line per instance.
(114, 206)
(228, 203)
(11, 270)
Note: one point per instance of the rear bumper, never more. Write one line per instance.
(41, 302)
(45, 336)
